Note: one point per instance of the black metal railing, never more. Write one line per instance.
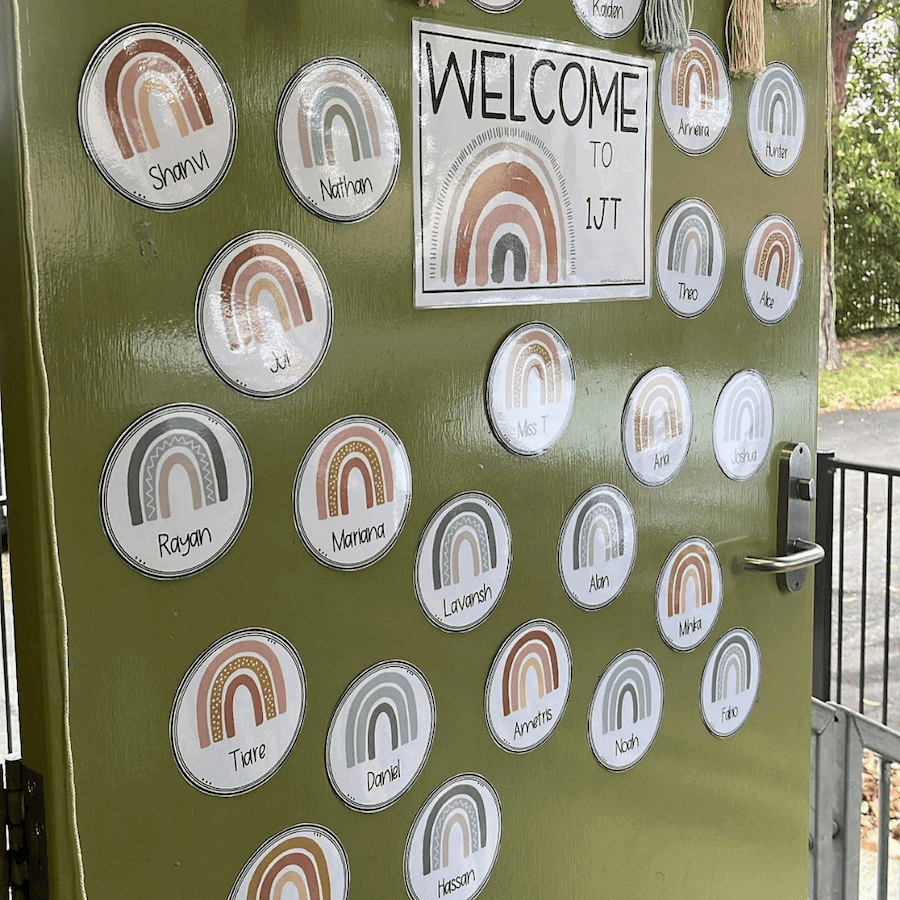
(854, 660)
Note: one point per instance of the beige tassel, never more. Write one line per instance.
(666, 24)
(746, 37)
(787, 4)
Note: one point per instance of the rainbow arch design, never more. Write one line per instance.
(693, 228)
(461, 806)
(262, 267)
(776, 243)
(692, 566)
(467, 523)
(356, 448)
(629, 678)
(658, 400)
(336, 93)
(734, 655)
(778, 102)
(145, 68)
(600, 516)
(533, 351)
(249, 664)
(388, 694)
(298, 861)
(746, 404)
(697, 63)
(534, 652)
(154, 457)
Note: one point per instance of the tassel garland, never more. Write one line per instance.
(746, 37)
(666, 24)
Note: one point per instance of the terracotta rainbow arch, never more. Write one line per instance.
(745, 404)
(357, 448)
(461, 806)
(777, 93)
(697, 62)
(693, 228)
(149, 468)
(335, 93)
(262, 267)
(777, 242)
(250, 664)
(467, 523)
(298, 861)
(600, 516)
(734, 655)
(630, 678)
(533, 351)
(691, 567)
(388, 694)
(534, 652)
(659, 399)
(152, 67)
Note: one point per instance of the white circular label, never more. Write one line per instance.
(157, 117)
(264, 314)
(352, 493)
(531, 389)
(626, 710)
(175, 490)
(743, 424)
(380, 735)
(776, 119)
(773, 269)
(454, 840)
(597, 547)
(608, 18)
(730, 683)
(690, 258)
(496, 6)
(463, 562)
(695, 95)
(306, 861)
(238, 712)
(528, 686)
(689, 594)
(337, 139)
(657, 425)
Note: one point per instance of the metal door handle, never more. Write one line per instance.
(803, 553)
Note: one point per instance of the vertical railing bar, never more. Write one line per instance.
(863, 580)
(840, 646)
(823, 592)
(4, 647)
(887, 597)
(884, 815)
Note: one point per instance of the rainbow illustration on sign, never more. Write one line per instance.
(601, 517)
(357, 448)
(330, 94)
(779, 107)
(143, 73)
(629, 679)
(659, 402)
(776, 245)
(533, 652)
(466, 524)
(505, 200)
(698, 64)
(746, 405)
(693, 228)
(533, 351)
(262, 267)
(462, 807)
(298, 861)
(389, 694)
(249, 664)
(691, 569)
(733, 656)
(150, 468)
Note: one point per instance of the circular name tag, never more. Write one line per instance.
(380, 735)
(238, 712)
(776, 119)
(337, 139)
(454, 840)
(743, 424)
(609, 18)
(773, 269)
(531, 389)
(157, 117)
(496, 6)
(175, 490)
(264, 314)
(352, 493)
(730, 683)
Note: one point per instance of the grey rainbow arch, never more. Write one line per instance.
(601, 513)
(734, 653)
(462, 797)
(748, 401)
(387, 694)
(777, 89)
(692, 226)
(468, 514)
(141, 465)
(629, 678)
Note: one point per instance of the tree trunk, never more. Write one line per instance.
(830, 356)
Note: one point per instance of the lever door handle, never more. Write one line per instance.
(803, 553)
